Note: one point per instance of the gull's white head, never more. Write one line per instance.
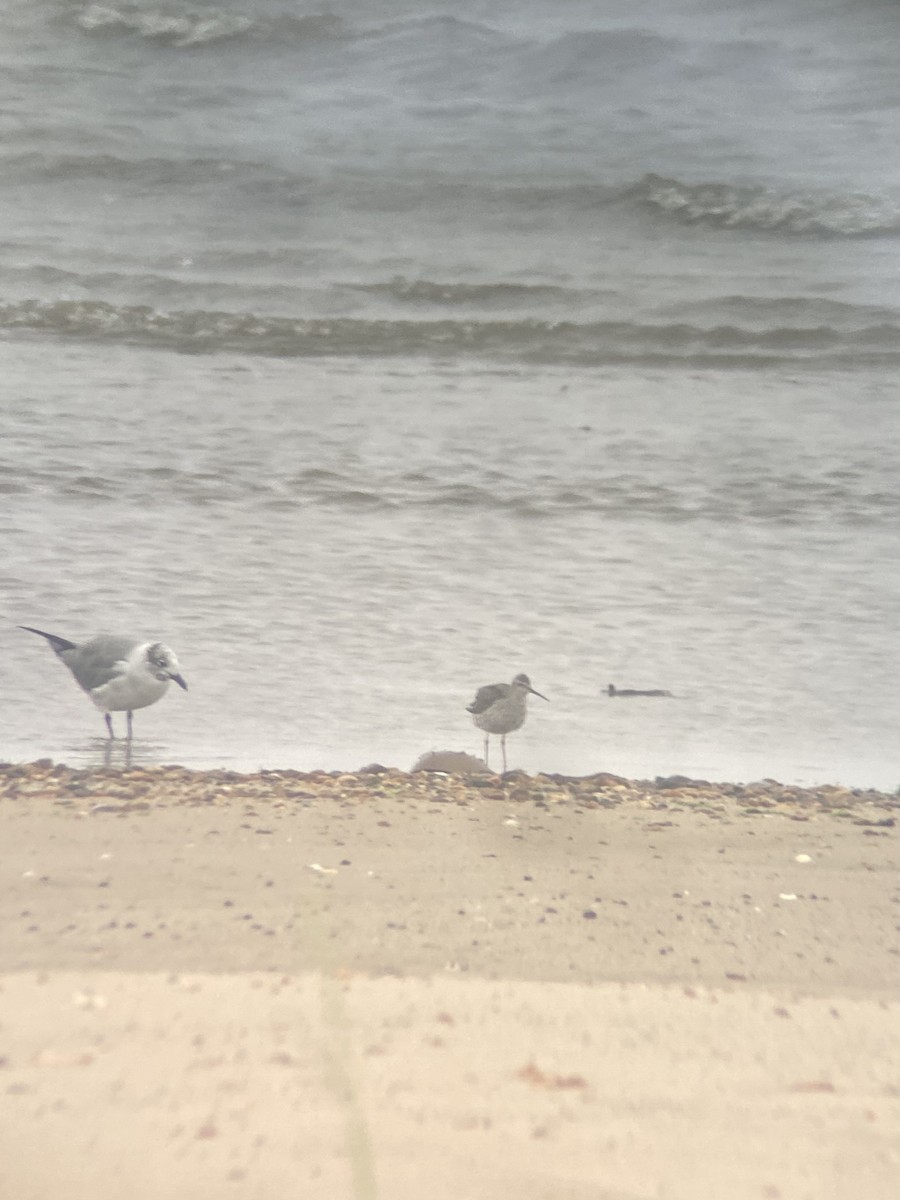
(163, 665)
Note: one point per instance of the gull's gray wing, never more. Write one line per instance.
(486, 696)
(96, 662)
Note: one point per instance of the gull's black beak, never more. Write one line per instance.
(177, 679)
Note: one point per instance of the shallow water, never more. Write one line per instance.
(340, 554)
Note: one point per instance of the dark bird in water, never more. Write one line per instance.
(500, 708)
(626, 693)
(119, 674)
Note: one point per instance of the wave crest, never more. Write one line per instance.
(754, 207)
(187, 29)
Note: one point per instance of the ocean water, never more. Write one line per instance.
(367, 353)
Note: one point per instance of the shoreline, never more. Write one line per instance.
(137, 785)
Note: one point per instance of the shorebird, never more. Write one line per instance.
(612, 690)
(500, 708)
(119, 674)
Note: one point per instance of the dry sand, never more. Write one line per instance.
(394, 987)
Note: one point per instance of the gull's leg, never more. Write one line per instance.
(503, 748)
(108, 719)
(129, 724)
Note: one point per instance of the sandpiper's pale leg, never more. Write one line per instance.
(503, 748)
(487, 738)
(129, 724)
(108, 719)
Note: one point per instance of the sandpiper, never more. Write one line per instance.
(501, 708)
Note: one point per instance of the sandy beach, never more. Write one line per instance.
(397, 985)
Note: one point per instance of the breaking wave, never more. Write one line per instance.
(180, 28)
(768, 210)
(529, 340)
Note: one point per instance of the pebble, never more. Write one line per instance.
(139, 789)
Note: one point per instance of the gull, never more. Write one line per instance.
(119, 674)
(500, 708)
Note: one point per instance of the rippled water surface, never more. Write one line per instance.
(367, 353)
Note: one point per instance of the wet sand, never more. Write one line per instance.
(389, 985)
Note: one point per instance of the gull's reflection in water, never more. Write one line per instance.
(121, 753)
